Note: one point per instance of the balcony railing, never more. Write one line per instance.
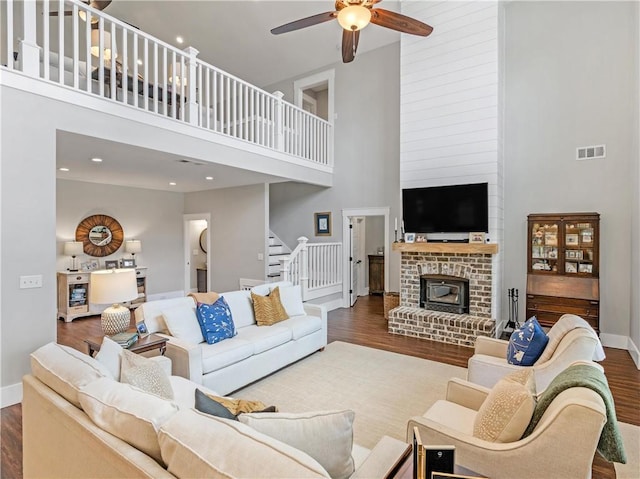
(89, 51)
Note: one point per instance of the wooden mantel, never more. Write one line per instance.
(482, 248)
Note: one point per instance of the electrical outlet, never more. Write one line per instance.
(260, 257)
(34, 281)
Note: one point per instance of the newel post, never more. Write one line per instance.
(279, 123)
(304, 265)
(28, 50)
(193, 108)
(285, 262)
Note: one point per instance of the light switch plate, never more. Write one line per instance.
(33, 281)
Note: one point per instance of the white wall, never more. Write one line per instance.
(568, 87)
(28, 212)
(449, 108)
(366, 152)
(153, 217)
(237, 232)
(635, 207)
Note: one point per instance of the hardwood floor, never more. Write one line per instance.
(363, 324)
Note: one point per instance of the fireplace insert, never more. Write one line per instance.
(448, 294)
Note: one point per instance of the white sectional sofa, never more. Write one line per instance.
(255, 352)
(79, 421)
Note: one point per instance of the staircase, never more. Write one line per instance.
(277, 250)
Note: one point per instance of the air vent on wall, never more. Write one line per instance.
(591, 152)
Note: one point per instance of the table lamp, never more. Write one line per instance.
(133, 247)
(73, 249)
(113, 286)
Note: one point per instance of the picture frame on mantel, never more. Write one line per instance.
(476, 237)
(323, 223)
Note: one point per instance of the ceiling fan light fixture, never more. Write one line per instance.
(95, 44)
(354, 17)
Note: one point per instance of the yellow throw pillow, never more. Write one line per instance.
(268, 309)
(508, 409)
(239, 406)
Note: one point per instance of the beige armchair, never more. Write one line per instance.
(562, 445)
(570, 339)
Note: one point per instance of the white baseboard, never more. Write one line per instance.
(633, 351)
(616, 341)
(165, 295)
(10, 395)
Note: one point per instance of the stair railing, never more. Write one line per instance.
(316, 267)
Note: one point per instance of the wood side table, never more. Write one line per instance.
(146, 343)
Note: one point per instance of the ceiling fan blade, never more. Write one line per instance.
(349, 45)
(304, 22)
(56, 13)
(399, 22)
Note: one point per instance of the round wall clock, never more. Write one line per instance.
(101, 235)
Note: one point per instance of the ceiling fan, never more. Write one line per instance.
(97, 4)
(353, 16)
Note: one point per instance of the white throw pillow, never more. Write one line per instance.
(128, 413)
(291, 299)
(195, 444)
(241, 307)
(327, 436)
(110, 356)
(146, 374)
(182, 323)
(66, 370)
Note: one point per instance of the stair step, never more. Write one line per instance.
(273, 275)
(279, 254)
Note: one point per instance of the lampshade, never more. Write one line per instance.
(73, 248)
(133, 246)
(95, 44)
(178, 77)
(354, 17)
(113, 286)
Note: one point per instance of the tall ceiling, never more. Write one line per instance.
(233, 36)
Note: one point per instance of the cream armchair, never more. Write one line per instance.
(562, 445)
(570, 339)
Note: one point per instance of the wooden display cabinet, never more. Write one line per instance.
(376, 274)
(563, 266)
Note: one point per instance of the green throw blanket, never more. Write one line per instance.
(610, 444)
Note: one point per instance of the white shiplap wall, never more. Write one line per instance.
(450, 105)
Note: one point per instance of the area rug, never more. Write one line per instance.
(384, 389)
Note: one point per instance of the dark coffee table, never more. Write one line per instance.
(146, 343)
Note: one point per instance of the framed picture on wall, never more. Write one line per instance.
(111, 264)
(323, 223)
(128, 263)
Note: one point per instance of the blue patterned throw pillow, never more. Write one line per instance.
(216, 321)
(527, 343)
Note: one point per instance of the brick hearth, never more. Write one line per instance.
(410, 320)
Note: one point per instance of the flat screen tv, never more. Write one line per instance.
(446, 209)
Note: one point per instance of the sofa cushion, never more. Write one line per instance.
(216, 322)
(194, 444)
(110, 355)
(327, 436)
(241, 308)
(291, 298)
(527, 343)
(302, 326)
(182, 322)
(145, 374)
(508, 408)
(268, 310)
(263, 338)
(151, 312)
(458, 417)
(223, 354)
(127, 412)
(184, 391)
(66, 370)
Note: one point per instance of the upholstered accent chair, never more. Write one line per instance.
(562, 444)
(570, 339)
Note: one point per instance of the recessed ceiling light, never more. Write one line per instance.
(179, 39)
(63, 169)
(209, 178)
(172, 183)
(96, 160)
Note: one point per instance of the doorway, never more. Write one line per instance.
(366, 233)
(197, 252)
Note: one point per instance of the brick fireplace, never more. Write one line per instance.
(444, 270)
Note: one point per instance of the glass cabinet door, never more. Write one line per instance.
(544, 247)
(579, 248)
